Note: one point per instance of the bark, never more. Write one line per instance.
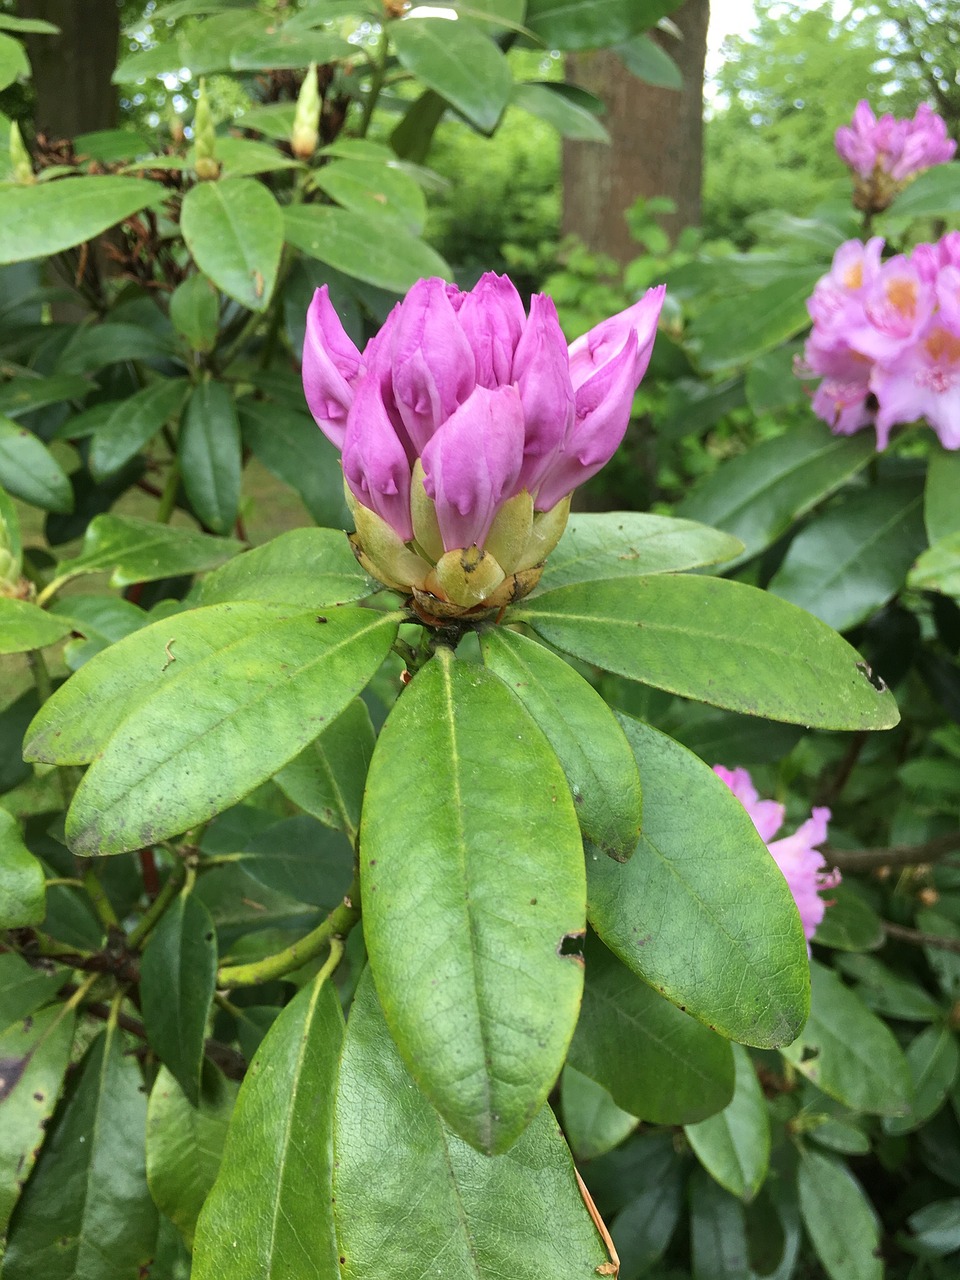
(71, 71)
(656, 141)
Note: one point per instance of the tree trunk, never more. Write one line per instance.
(71, 71)
(656, 144)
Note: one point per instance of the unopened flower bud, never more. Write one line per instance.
(205, 163)
(20, 162)
(306, 122)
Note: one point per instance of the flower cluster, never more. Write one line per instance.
(885, 153)
(803, 866)
(464, 425)
(886, 339)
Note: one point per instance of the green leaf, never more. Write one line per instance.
(934, 194)
(413, 136)
(210, 455)
(41, 220)
(850, 923)
(185, 1143)
(933, 1059)
(23, 626)
(938, 568)
(693, 911)
(306, 568)
(940, 513)
(356, 245)
(86, 1213)
(643, 1228)
(302, 858)
(589, 743)
(718, 1236)
(592, 24)
(849, 1053)
(656, 1062)
(736, 329)
(23, 988)
(378, 189)
(648, 62)
(935, 1228)
(630, 544)
(269, 1214)
(178, 976)
(208, 734)
(459, 62)
(34, 1054)
(758, 495)
(243, 157)
(22, 889)
(234, 231)
(468, 954)
(10, 534)
(133, 423)
(29, 471)
(850, 560)
(23, 395)
(95, 345)
(284, 47)
(328, 777)
(195, 311)
(133, 550)
(412, 1199)
(569, 118)
(27, 25)
(887, 992)
(718, 641)
(291, 445)
(592, 1121)
(839, 1219)
(734, 1146)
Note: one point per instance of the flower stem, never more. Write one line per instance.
(172, 886)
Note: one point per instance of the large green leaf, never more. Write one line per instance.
(306, 568)
(850, 560)
(654, 1196)
(234, 230)
(934, 194)
(23, 988)
(629, 544)
(93, 346)
(270, 1214)
(178, 976)
(736, 329)
(701, 911)
(22, 892)
(933, 1059)
(23, 626)
(185, 1143)
(469, 954)
(376, 188)
(940, 512)
(210, 455)
(355, 244)
(35, 1054)
(23, 395)
(328, 777)
(656, 1062)
(133, 423)
(29, 471)
(938, 568)
(734, 1145)
(839, 1219)
(846, 1051)
(592, 24)
(214, 730)
(592, 1121)
(717, 641)
(757, 495)
(459, 62)
(291, 445)
(569, 118)
(86, 1213)
(134, 550)
(195, 311)
(40, 220)
(412, 1199)
(583, 731)
(718, 1235)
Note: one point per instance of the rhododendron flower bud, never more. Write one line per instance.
(464, 426)
(802, 864)
(885, 153)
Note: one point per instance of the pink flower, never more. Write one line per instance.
(885, 153)
(803, 866)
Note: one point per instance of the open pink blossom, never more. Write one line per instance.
(885, 152)
(804, 867)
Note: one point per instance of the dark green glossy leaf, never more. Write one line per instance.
(644, 1226)
(758, 495)
(459, 62)
(933, 1059)
(29, 471)
(940, 514)
(133, 423)
(185, 1143)
(734, 1145)
(86, 1213)
(718, 641)
(23, 626)
(849, 561)
(435, 1204)
(569, 118)
(592, 1121)
(24, 988)
(379, 190)
(328, 777)
(629, 544)
(178, 975)
(195, 311)
(731, 739)
(701, 911)
(839, 1219)
(43, 219)
(213, 731)
(589, 743)
(656, 1062)
(301, 858)
(735, 329)
(355, 244)
(718, 1236)
(887, 992)
(591, 24)
(468, 954)
(242, 157)
(413, 136)
(846, 1051)
(306, 568)
(234, 230)
(34, 1055)
(292, 446)
(22, 894)
(96, 345)
(23, 395)
(210, 455)
(283, 47)
(269, 1214)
